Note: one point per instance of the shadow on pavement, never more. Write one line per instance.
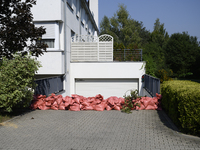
(166, 120)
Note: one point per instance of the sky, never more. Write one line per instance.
(177, 15)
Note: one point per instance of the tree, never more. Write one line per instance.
(17, 29)
(125, 31)
(154, 50)
(182, 54)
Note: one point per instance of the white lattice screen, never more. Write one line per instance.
(92, 48)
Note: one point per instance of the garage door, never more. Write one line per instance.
(105, 87)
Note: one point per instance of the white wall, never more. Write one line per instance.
(107, 70)
(47, 10)
(94, 7)
(52, 63)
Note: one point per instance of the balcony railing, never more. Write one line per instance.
(151, 84)
(50, 85)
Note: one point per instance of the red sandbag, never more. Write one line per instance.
(108, 107)
(159, 96)
(111, 101)
(155, 100)
(85, 103)
(43, 107)
(121, 100)
(88, 108)
(146, 101)
(48, 103)
(96, 102)
(61, 106)
(99, 96)
(116, 107)
(54, 107)
(90, 99)
(100, 107)
(75, 107)
(77, 98)
(150, 107)
(40, 102)
(142, 107)
(59, 100)
(41, 96)
(34, 105)
(67, 100)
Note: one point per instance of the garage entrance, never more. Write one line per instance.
(105, 87)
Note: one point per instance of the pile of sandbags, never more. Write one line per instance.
(98, 103)
(148, 103)
(76, 103)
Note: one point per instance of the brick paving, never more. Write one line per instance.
(93, 130)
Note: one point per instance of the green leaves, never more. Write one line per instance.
(124, 29)
(16, 28)
(16, 81)
(181, 100)
(182, 54)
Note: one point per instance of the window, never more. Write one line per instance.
(51, 37)
(49, 42)
(70, 2)
(77, 8)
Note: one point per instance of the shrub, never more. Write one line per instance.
(164, 75)
(181, 101)
(17, 81)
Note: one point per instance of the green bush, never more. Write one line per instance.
(17, 81)
(181, 101)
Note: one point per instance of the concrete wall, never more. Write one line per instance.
(52, 63)
(107, 70)
(47, 10)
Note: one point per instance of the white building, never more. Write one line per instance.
(64, 19)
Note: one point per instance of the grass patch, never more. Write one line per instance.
(16, 112)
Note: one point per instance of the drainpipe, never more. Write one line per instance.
(65, 43)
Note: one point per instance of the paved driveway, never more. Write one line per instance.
(93, 130)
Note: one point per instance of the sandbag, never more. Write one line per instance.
(48, 103)
(90, 99)
(142, 107)
(67, 100)
(99, 96)
(100, 107)
(88, 108)
(85, 103)
(61, 106)
(75, 107)
(54, 107)
(159, 96)
(108, 107)
(59, 100)
(111, 101)
(150, 107)
(116, 107)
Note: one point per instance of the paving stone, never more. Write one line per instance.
(92, 130)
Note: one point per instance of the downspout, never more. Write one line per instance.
(65, 43)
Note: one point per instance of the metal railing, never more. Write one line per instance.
(128, 54)
(151, 84)
(50, 85)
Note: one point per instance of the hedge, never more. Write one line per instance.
(181, 101)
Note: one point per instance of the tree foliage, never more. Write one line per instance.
(17, 81)
(182, 54)
(16, 28)
(154, 52)
(126, 31)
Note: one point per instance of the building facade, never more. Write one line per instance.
(63, 19)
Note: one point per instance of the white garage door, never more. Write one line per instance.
(105, 87)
